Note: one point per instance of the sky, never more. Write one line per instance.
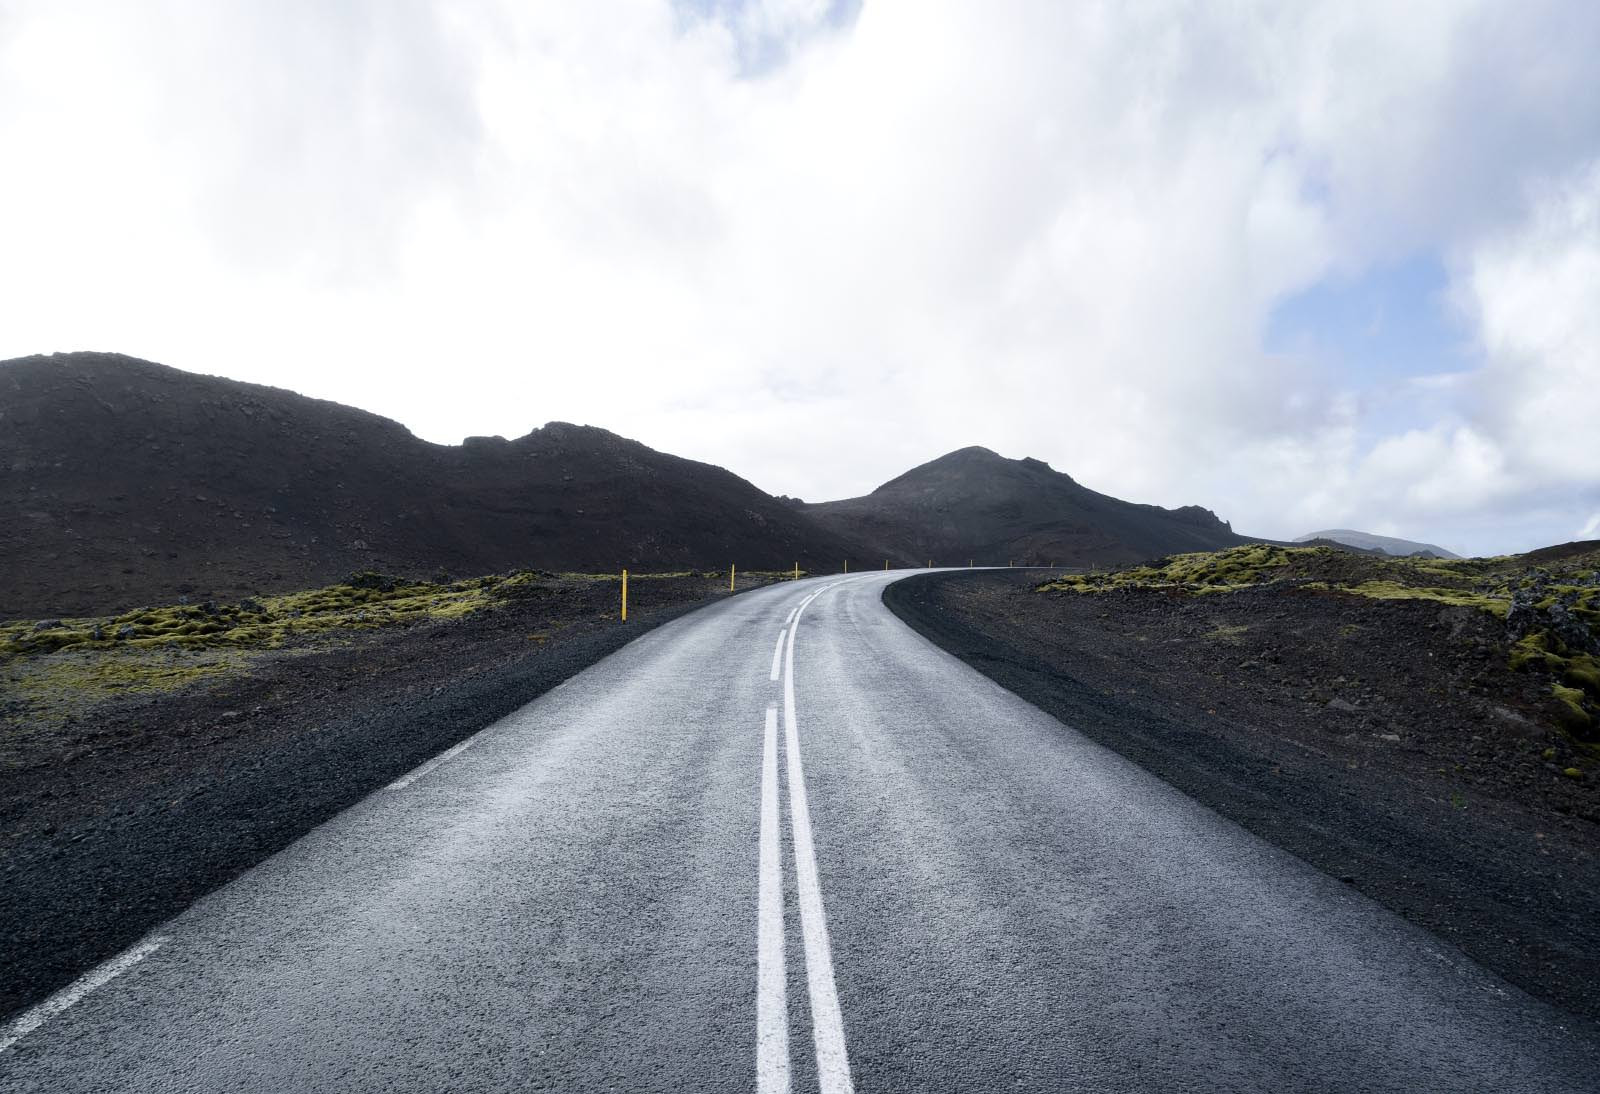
(1311, 265)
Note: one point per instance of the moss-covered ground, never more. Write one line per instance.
(1486, 583)
(1552, 607)
(54, 668)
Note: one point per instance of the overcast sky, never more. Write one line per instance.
(1310, 265)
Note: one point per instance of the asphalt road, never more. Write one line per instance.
(721, 861)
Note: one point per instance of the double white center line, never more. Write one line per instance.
(772, 1011)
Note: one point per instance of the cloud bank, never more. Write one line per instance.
(818, 243)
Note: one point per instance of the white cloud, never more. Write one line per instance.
(817, 250)
(1534, 292)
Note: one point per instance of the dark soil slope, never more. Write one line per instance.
(976, 505)
(124, 482)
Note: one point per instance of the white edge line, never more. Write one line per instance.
(772, 1006)
(777, 657)
(827, 1024)
(70, 995)
(790, 618)
(428, 765)
(461, 746)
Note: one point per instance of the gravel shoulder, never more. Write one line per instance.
(1386, 742)
(115, 820)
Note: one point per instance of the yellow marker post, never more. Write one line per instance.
(624, 596)
(732, 573)
(969, 564)
(885, 564)
(930, 564)
(847, 565)
(797, 571)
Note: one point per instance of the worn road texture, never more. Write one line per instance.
(724, 860)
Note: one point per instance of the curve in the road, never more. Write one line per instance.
(599, 892)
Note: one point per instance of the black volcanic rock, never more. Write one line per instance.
(125, 482)
(973, 504)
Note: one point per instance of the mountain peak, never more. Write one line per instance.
(975, 504)
(972, 468)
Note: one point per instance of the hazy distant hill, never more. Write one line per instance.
(1369, 542)
(974, 504)
(125, 482)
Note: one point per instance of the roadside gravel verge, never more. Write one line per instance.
(1426, 795)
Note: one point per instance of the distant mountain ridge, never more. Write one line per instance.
(974, 504)
(128, 482)
(124, 482)
(1367, 541)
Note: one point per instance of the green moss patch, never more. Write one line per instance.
(51, 687)
(46, 663)
(1395, 590)
(1546, 601)
(1207, 571)
(1569, 710)
(362, 602)
(55, 667)
(1583, 672)
(1485, 584)
(1534, 650)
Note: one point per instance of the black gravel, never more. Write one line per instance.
(1474, 881)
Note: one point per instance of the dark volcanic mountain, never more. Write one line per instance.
(124, 482)
(976, 505)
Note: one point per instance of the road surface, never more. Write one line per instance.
(785, 843)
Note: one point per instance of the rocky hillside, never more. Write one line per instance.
(973, 504)
(126, 482)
